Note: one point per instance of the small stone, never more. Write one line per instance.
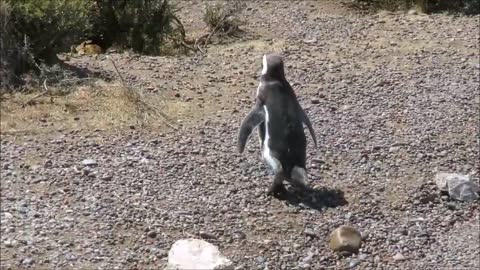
(7, 215)
(27, 261)
(451, 206)
(315, 101)
(152, 234)
(308, 259)
(353, 263)
(196, 254)
(398, 257)
(459, 186)
(362, 257)
(310, 41)
(394, 149)
(267, 241)
(89, 162)
(106, 178)
(206, 235)
(345, 239)
(310, 232)
(260, 259)
(412, 12)
(442, 179)
(10, 243)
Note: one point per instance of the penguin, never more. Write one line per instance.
(279, 118)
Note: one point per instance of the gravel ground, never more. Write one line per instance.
(393, 99)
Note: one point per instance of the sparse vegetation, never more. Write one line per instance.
(26, 39)
(142, 26)
(223, 17)
(47, 27)
(98, 105)
(33, 32)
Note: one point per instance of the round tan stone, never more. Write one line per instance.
(345, 239)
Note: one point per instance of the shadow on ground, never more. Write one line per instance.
(82, 72)
(313, 198)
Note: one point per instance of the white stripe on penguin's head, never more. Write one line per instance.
(264, 65)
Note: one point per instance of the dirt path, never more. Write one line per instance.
(393, 99)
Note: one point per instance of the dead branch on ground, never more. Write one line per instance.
(29, 102)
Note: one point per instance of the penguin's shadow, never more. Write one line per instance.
(308, 197)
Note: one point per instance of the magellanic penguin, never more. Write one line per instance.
(280, 118)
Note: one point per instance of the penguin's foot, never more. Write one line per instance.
(276, 190)
(300, 186)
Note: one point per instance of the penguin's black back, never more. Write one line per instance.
(287, 141)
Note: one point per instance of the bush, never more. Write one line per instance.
(469, 7)
(47, 27)
(223, 18)
(141, 25)
(11, 54)
(33, 32)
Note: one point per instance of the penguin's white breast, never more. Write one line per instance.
(272, 162)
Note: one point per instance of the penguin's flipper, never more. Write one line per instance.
(306, 120)
(251, 121)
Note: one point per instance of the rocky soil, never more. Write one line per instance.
(393, 99)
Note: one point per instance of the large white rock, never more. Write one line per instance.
(196, 254)
(459, 186)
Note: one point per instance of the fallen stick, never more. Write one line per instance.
(37, 96)
(118, 72)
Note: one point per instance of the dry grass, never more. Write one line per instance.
(102, 106)
(223, 16)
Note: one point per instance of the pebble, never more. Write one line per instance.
(353, 263)
(152, 234)
(89, 162)
(362, 257)
(7, 216)
(27, 261)
(206, 235)
(260, 259)
(10, 243)
(398, 257)
(310, 232)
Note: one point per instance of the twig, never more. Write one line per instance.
(37, 96)
(197, 45)
(221, 22)
(118, 72)
(181, 42)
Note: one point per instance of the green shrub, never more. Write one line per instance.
(11, 53)
(33, 32)
(469, 7)
(140, 25)
(47, 27)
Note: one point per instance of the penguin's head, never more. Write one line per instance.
(272, 66)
